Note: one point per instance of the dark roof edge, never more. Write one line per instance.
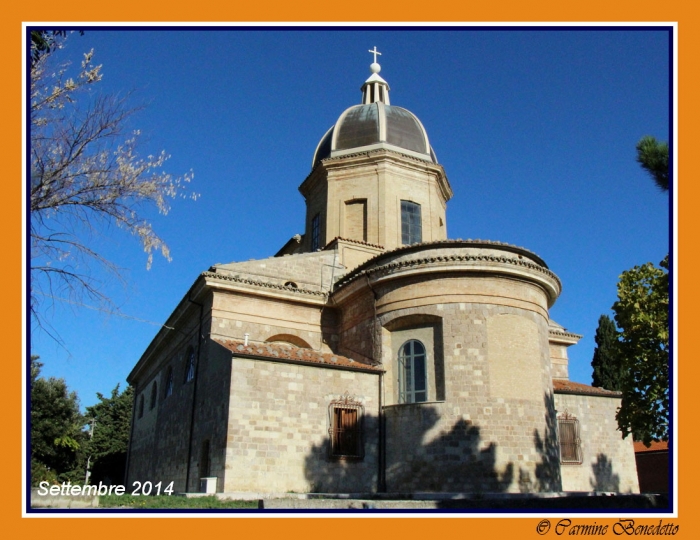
(459, 242)
(367, 369)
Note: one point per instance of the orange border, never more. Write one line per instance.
(386, 10)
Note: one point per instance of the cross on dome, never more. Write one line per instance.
(375, 88)
(375, 67)
(375, 52)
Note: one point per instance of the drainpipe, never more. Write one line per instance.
(381, 443)
(381, 447)
(194, 391)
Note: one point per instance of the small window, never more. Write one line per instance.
(169, 383)
(413, 373)
(154, 395)
(141, 404)
(316, 232)
(189, 367)
(345, 432)
(411, 229)
(569, 440)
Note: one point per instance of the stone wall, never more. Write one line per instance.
(211, 416)
(608, 459)
(488, 424)
(489, 435)
(381, 179)
(278, 422)
(312, 271)
(159, 442)
(236, 314)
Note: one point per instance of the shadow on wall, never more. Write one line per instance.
(326, 474)
(547, 470)
(603, 477)
(456, 460)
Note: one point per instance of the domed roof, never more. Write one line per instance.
(375, 124)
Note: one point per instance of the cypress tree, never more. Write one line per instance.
(607, 369)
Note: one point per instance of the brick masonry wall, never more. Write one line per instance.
(608, 459)
(278, 425)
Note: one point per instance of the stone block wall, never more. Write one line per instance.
(211, 416)
(608, 459)
(278, 422)
(560, 361)
(491, 434)
(492, 428)
(312, 271)
(235, 314)
(382, 179)
(159, 443)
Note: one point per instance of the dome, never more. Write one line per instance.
(375, 124)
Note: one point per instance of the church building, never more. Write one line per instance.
(372, 353)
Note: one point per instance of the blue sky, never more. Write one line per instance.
(536, 129)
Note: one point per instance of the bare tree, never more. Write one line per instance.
(85, 176)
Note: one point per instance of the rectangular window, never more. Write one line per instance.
(570, 440)
(316, 232)
(411, 229)
(345, 432)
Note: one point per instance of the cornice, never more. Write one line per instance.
(258, 283)
(392, 267)
(566, 336)
(367, 268)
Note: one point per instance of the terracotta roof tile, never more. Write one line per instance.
(570, 387)
(656, 446)
(353, 241)
(290, 353)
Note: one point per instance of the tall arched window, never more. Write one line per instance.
(189, 367)
(141, 400)
(154, 394)
(169, 382)
(413, 373)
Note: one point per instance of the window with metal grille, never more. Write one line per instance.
(316, 232)
(413, 373)
(411, 231)
(345, 431)
(189, 369)
(569, 440)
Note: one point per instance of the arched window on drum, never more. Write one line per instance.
(413, 373)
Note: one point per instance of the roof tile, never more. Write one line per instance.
(570, 387)
(295, 354)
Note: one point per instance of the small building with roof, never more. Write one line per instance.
(372, 353)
